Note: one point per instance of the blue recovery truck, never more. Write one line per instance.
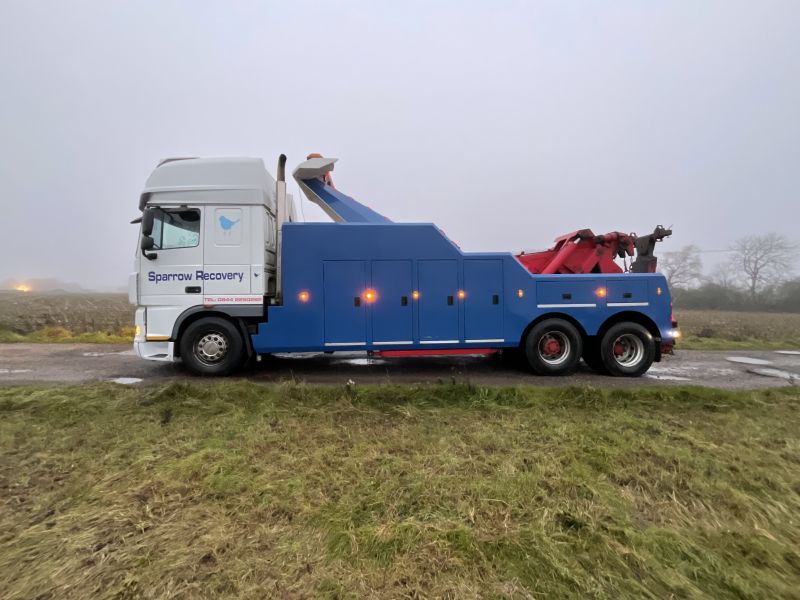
(224, 271)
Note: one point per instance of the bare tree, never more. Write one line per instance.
(764, 260)
(725, 275)
(681, 268)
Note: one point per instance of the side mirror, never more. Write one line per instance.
(148, 218)
(147, 244)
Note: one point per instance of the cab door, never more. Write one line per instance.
(171, 279)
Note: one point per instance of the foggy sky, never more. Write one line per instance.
(505, 123)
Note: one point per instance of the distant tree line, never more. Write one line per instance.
(759, 275)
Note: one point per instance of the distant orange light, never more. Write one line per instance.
(461, 294)
(370, 295)
(415, 295)
(658, 291)
(601, 292)
(520, 293)
(303, 296)
(23, 288)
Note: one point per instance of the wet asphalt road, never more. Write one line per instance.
(76, 363)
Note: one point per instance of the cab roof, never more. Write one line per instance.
(212, 174)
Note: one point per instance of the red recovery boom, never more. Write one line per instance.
(584, 252)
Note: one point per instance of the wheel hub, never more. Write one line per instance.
(554, 347)
(628, 350)
(211, 348)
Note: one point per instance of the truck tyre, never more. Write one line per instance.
(627, 350)
(553, 347)
(212, 346)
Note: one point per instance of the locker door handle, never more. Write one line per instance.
(566, 296)
(495, 299)
(627, 295)
(403, 300)
(357, 301)
(192, 289)
(449, 301)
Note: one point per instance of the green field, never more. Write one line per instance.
(727, 330)
(65, 317)
(235, 490)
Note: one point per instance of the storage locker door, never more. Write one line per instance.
(345, 311)
(438, 301)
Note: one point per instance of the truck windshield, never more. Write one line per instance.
(176, 229)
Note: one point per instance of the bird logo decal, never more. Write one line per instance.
(226, 223)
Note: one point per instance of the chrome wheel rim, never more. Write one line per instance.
(554, 348)
(211, 348)
(628, 350)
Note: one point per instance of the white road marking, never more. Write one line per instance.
(125, 380)
(746, 360)
(14, 371)
(790, 352)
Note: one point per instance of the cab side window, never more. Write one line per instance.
(176, 229)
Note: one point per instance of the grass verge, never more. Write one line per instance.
(235, 490)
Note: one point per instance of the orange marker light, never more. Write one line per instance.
(461, 294)
(520, 293)
(370, 295)
(601, 292)
(658, 291)
(303, 296)
(415, 295)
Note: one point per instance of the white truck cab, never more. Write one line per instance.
(209, 243)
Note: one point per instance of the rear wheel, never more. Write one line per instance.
(627, 350)
(212, 346)
(553, 347)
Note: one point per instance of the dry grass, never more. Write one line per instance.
(26, 313)
(722, 330)
(234, 490)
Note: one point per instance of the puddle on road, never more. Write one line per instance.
(746, 360)
(776, 373)
(666, 377)
(363, 361)
(126, 380)
(789, 352)
(123, 353)
(14, 371)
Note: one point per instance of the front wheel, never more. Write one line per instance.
(627, 350)
(212, 346)
(553, 347)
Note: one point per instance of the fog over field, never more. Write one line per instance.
(506, 123)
